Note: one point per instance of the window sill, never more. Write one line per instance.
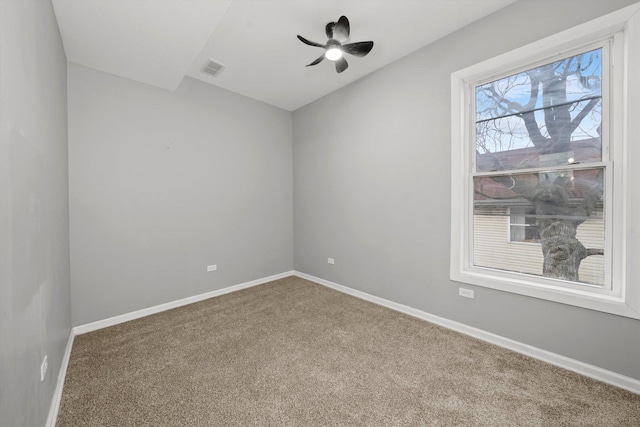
(591, 297)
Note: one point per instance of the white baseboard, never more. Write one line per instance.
(94, 326)
(57, 393)
(600, 374)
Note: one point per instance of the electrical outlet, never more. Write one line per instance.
(43, 368)
(331, 261)
(213, 267)
(467, 293)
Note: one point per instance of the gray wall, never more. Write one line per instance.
(163, 184)
(35, 312)
(372, 190)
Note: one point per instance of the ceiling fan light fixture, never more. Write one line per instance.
(333, 54)
(338, 33)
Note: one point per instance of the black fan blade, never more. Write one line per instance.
(341, 65)
(357, 49)
(317, 61)
(329, 29)
(341, 30)
(310, 43)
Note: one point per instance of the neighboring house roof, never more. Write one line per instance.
(491, 190)
(582, 151)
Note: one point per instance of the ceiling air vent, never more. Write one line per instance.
(213, 68)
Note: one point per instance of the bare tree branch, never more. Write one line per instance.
(580, 116)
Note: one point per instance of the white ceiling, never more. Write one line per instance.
(159, 42)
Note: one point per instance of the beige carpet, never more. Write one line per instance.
(295, 353)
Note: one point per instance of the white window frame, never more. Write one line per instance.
(622, 296)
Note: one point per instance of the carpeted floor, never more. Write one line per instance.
(295, 353)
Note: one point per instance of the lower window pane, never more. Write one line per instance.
(547, 224)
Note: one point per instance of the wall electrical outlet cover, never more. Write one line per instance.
(213, 267)
(331, 261)
(467, 293)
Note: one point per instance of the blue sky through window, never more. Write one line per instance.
(549, 98)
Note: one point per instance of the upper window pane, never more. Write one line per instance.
(546, 116)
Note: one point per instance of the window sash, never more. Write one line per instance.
(605, 44)
(483, 237)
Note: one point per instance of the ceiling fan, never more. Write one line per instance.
(338, 33)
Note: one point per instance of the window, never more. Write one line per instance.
(523, 225)
(538, 136)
